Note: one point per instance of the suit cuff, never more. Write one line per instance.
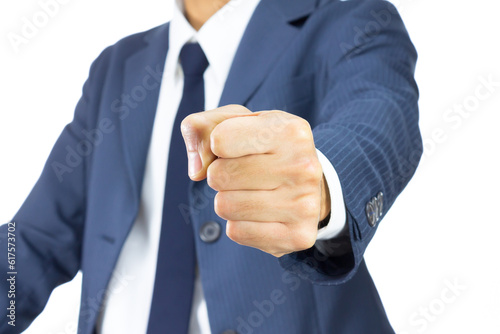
(337, 220)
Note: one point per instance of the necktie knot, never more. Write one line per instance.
(193, 59)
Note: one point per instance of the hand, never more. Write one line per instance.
(270, 183)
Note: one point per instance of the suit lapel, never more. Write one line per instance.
(141, 83)
(139, 92)
(267, 36)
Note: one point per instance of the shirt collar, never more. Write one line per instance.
(219, 37)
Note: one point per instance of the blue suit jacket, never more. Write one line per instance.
(347, 67)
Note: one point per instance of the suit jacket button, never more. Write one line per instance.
(371, 214)
(230, 331)
(210, 231)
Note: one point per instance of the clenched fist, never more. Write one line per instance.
(270, 183)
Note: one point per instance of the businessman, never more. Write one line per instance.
(231, 167)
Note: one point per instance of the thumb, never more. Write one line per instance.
(196, 129)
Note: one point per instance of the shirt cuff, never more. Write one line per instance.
(337, 220)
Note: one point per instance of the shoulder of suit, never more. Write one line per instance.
(354, 4)
(137, 40)
(129, 45)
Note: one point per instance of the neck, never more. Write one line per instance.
(199, 11)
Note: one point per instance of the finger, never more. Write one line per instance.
(241, 136)
(272, 237)
(251, 205)
(196, 129)
(259, 235)
(251, 172)
(267, 205)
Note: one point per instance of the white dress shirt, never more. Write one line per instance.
(127, 304)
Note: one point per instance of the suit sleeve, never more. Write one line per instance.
(368, 128)
(50, 223)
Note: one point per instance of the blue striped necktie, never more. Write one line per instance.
(175, 269)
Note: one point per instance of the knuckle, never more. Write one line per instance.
(187, 125)
(239, 109)
(192, 121)
(213, 175)
(221, 205)
(300, 129)
(217, 141)
(219, 175)
(310, 169)
(233, 232)
(309, 207)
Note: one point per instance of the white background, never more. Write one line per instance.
(442, 231)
